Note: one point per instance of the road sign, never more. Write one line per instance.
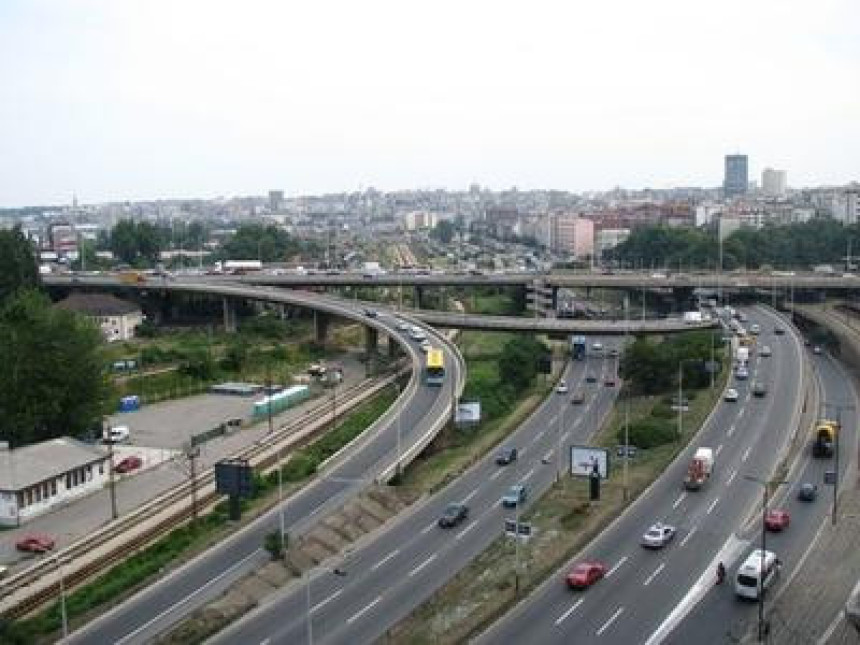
(524, 530)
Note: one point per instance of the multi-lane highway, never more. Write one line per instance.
(720, 617)
(421, 409)
(643, 587)
(408, 561)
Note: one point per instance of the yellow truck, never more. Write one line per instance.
(824, 438)
(132, 277)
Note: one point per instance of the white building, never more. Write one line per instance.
(609, 238)
(117, 318)
(37, 478)
(773, 182)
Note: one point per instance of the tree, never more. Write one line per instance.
(519, 362)
(264, 243)
(52, 378)
(134, 243)
(18, 269)
(444, 231)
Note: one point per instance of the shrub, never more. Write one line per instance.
(649, 432)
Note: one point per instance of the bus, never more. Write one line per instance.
(434, 373)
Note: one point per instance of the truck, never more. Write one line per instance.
(131, 277)
(824, 438)
(742, 355)
(692, 317)
(240, 267)
(577, 347)
(700, 469)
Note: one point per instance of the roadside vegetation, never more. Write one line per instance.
(564, 520)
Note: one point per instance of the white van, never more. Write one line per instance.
(751, 576)
(116, 434)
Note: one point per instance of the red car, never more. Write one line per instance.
(585, 574)
(128, 464)
(35, 543)
(776, 520)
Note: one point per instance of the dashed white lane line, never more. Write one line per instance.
(618, 564)
(731, 478)
(495, 475)
(746, 453)
(611, 620)
(719, 449)
(471, 495)
(429, 528)
(566, 435)
(678, 501)
(385, 559)
(567, 613)
(711, 507)
(466, 530)
(422, 565)
(539, 435)
(650, 578)
(322, 604)
(731, 430)
(364, 610)
(529, 474)
(688, 536)
(553, 419)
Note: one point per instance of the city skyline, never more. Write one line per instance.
(133, 101)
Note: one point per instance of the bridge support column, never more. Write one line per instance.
(371, 341)
(393, 347)
(229, 315)
(321, 321)
(419, 297)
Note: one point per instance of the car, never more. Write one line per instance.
(128, 464)
(402, 326)
(370, 313)
(116, 434)
(585, 574)
(590, 378)
(612, 352)
(453, 514)
(778, 331)
(765, 351)
(628, 451)
(807, 492)
(742, 373)
(776, 520)
(755, 330)
(515, 496)
(658, 536)
(424, 346)
(506, 456)
(35, 543)
(609, 382)
(561, 388)
(759, 389)
(578, 398)
(597, 347)
(731, 395)
(816, 349)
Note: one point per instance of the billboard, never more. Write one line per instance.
(584, 460)
(468, 414)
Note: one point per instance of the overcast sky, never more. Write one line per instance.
(125, 100)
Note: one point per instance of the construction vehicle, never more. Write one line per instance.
(824, 438)
(700, 469)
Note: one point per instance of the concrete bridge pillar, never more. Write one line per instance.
(321, 322)
(229, 307)
(393, 347)
(371, 340)
(419, 297)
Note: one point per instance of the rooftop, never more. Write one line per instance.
(97, 304)
(38, 462)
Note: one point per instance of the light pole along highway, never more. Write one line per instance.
(151, 611)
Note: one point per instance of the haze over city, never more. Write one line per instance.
(146, 100)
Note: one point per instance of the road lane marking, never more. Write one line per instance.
(385, 559)
(566, 435)
(615, 568)
(326, 601)
(731, 430)
(711, 507)
(529, 474)
(466, 530)
(539, 435)
(553, 419)
(363, 611)
(495, 475)
(679, 500)
(565, 615)
(653, 575)
(746, 453)
(427, 529)
(423, 564)
(611, 620)
(688, 536)
(719, 449)
(731, 477)
(471, 495)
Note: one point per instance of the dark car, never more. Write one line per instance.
(807, 492)
(506, 456)
(609, 382)
(370, 313)
(453, 515)
(759, 389)
(590, 378)
(779, 331)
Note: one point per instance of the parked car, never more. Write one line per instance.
(807, 492)
(506, 456)
(776, 520)
(128, 464)
(515, 496)
(453, 515)
(116, 434)
(35, 543)
(731, 395)
(658, 536)
(585, 574)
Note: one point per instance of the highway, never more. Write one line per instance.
(389, 577)
(422, 408)
(643, 587)
(720, 617)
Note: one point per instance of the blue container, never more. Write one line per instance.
(129, 403)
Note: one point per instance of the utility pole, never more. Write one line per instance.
(192, 456)
(111, 480)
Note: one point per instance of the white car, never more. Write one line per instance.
(562, 387)
(742, 373)
(658, 536)
(731, 395)
(765, 351)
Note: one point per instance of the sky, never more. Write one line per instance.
(115, 100)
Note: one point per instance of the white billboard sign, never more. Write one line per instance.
(584, 460)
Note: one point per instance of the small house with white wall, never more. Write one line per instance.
(36, 478)
(117, 318)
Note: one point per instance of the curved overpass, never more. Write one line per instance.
(422, 410)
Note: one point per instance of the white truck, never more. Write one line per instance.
(742, 355)
(692, 317)
(700, 469)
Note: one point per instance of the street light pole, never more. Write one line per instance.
(63, 614)
(399, 428)
(680, 399)
(560, 428)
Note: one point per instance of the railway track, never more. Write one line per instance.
(28, 590)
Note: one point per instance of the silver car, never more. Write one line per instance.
(658, 536)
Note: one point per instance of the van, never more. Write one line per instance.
(116, 434)
(754, 576)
